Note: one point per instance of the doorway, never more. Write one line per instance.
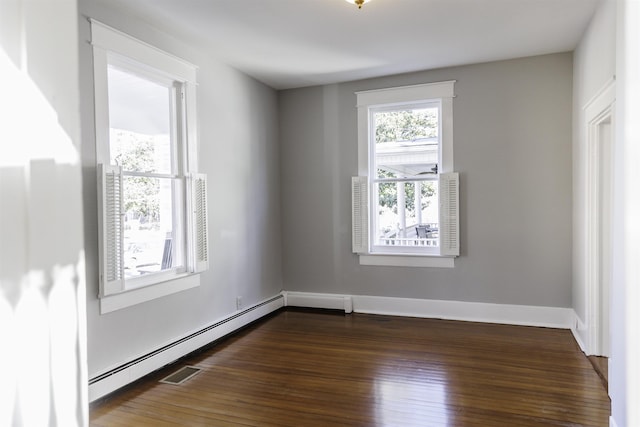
(605, 205)
(600, 117)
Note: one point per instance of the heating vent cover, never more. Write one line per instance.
(181, 375)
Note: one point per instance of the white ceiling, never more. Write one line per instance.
(295, 43)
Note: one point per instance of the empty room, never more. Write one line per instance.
(320, 212)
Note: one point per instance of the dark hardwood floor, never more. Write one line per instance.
(300, 368)
(601, 366)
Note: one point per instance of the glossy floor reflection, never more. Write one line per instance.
(317, 369)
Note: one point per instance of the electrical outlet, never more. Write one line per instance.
(238, 303)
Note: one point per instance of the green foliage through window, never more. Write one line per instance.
(406, 125)
(388, 195)
(135, 152)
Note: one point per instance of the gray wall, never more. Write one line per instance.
(239, 152)
(512, 147)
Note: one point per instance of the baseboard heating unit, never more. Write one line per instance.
(126, 373)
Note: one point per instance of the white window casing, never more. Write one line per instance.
(406, 94)
(112, 47)
(109, 39)
(449, 235)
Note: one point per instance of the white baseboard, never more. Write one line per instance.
(612, 422)
(124, 374)
(578, 326)
(115, 378)
(551, 317)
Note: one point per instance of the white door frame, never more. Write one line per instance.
(599, 118)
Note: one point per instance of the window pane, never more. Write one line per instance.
(406, 142)
(407, 213)
(152, 241)
(140, 120)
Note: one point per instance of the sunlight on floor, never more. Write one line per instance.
(400, 398)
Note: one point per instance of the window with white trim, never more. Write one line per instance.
(151, 200)
(405, 199)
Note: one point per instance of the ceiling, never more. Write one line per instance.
(296, 43)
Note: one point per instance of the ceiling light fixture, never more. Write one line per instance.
(358, 3)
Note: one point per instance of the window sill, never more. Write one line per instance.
(132, 297)
(408, 260)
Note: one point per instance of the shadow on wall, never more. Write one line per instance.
(41, 261)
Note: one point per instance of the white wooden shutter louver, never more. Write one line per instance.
(111, 215)
(199, 203)
(449, 189)
(360, 214)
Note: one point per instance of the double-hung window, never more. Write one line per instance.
(152, 201)
(405, 199)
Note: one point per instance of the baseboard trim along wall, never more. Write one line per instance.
(551, 317)
(578, 329)
(118, 377)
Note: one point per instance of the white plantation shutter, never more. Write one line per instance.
(360, 214)
(199, 221)
(449, 214)
(111, 223)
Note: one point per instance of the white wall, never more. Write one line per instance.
(239, 151)
(42, 324)
(624, 372)
(512, 147)
(594, 66)
(609, 48)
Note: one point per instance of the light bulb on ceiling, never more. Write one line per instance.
(358, 3)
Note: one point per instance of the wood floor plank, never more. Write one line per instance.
(301, 368)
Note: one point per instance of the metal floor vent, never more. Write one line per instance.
(181, 375)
